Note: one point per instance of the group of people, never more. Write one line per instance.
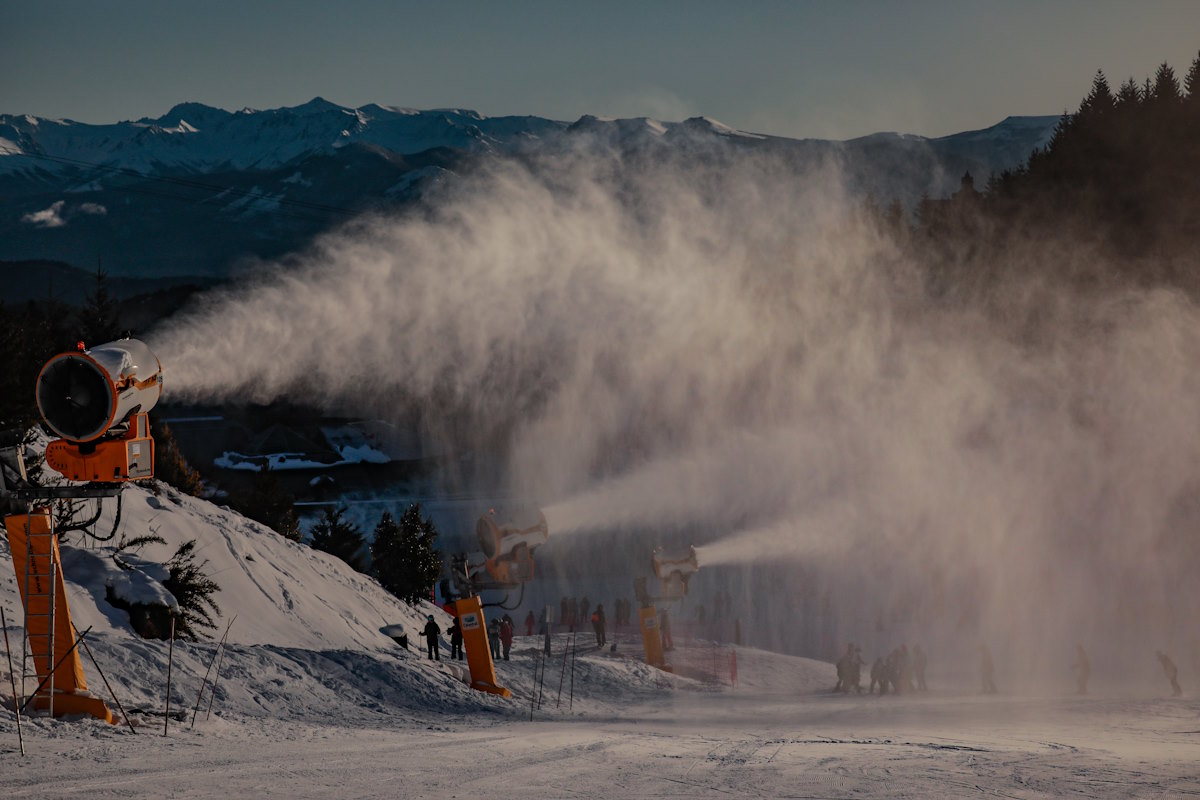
(500, 635)
(575, 611)
(900, 670)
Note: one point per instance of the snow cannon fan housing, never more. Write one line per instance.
(508, 548)
(97, 400)
(674, 573)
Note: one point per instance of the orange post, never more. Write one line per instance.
(475, 645)
(35, 553)
(651, 637)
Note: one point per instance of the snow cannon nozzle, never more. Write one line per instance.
(83, 394)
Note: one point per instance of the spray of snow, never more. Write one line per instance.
(713, 350)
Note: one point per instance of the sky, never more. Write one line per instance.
(801, 69)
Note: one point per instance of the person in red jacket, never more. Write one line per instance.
(506, 634)
(530, 621)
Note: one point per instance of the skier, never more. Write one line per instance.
(530, 621)
(1083, 669)
(506, 634)
(987, 669)
(1171, 671)
(431, 638)
(456, 648)
(585, 609)
(598, 624)
(919, 666)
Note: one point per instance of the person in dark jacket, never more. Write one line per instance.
(598, 624)
(494, 637)
(432, 631)
(456, 648)
(1171, 671)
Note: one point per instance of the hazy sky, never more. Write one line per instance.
(824, 69)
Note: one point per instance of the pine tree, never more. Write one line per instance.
(340, 538)
(403, 557)
(170, 465)
(1166, 86)
(1129, 96)
(193, 589)
(1099, 101)
(98, 320)
(1191, 84)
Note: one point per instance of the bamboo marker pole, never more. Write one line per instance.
(13, 679)
(217, 678)
(96, 664)
(204, 683)
(170, 661)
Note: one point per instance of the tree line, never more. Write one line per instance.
(1115, 192)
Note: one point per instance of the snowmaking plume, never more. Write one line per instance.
(711, 348)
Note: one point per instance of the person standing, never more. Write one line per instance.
(877, 676)
(1172, 672)
(1083, 669)
(506, 634)
(494, 638)
(432, 631)
(456, 648)
(598, 624)
(530, 621)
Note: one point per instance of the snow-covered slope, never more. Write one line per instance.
(306, 641)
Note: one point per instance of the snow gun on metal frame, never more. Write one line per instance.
(507, 541)
(673, 573)
(97, 401)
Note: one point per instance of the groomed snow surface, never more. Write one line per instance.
(314, 702)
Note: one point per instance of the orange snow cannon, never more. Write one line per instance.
(674, 573)
(508, 548)
(97, 400)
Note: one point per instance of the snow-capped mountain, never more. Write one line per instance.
(193, 191)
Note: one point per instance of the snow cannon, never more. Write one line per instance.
(96, 400)
(673, 573)
(508, 546)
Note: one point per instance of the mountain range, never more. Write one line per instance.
(201, 191)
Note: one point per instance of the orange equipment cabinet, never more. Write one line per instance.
(475, 644)
(130, 457)
(40, 579)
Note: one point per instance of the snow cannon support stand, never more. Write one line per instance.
(673, 575)
(96, 400)
(475, 645)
